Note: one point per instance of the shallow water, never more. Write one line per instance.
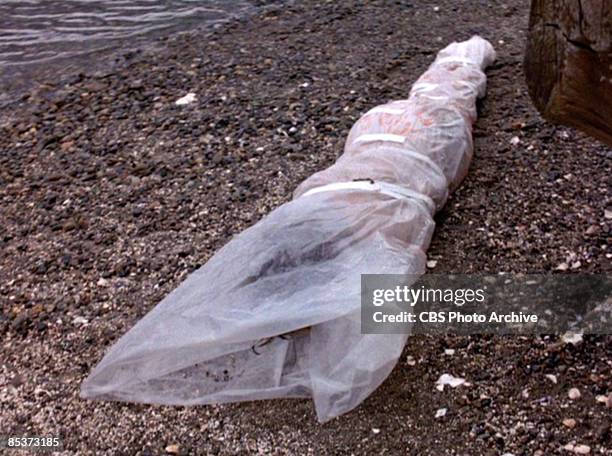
(42, 30)
(41, 39)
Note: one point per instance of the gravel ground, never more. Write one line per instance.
(110, 195)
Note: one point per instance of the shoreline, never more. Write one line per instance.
(110, 194)
(61, 71)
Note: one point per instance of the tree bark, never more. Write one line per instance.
(568, 63)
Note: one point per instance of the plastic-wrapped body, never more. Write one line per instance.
(276, 312)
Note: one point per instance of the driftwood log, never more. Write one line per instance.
(568, 63)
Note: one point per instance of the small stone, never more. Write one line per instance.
(572, 338)
(582, 449)
(37, 310)
(21, 323)
(17, 381)
(436, 8)
(569, 422)
(515, 140)
(525, 393)
(593, 229)
(136, 84)
(66, 145)
(172, 449)
(602, 398)
(375, 431)
(432, 264)
(576, 264)
(410, 361)
(218, 158)
(102, 282)
(189, 98)
(449, 351)
(447, 379)
(574, 393)
(80, 321)
(552, 378)
(440, 413)
(608, 214)
(562, 267)
(569, 447)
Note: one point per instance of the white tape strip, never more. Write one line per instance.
(380, 137)
(456, 59)
(400, 140)
(385, 110)
(424, 87)
(385, 188)
(432, 97)
(471, 86)
(397, 191)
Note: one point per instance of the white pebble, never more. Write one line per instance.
(432, 264)
(447, 379)
(80, 321)
(569, 422)
(449, 351)
(375, 430)
(440, 413)
(552, 378)
(189, 98)
(525, 393)
(582, 449)
(172, 449)
(572, 338)
(515, 140)
(574, 393)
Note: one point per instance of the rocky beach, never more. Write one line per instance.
(111, 193)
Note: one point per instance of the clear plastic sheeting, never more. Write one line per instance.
(276, 312)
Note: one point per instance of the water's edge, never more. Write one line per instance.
(18, 79)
